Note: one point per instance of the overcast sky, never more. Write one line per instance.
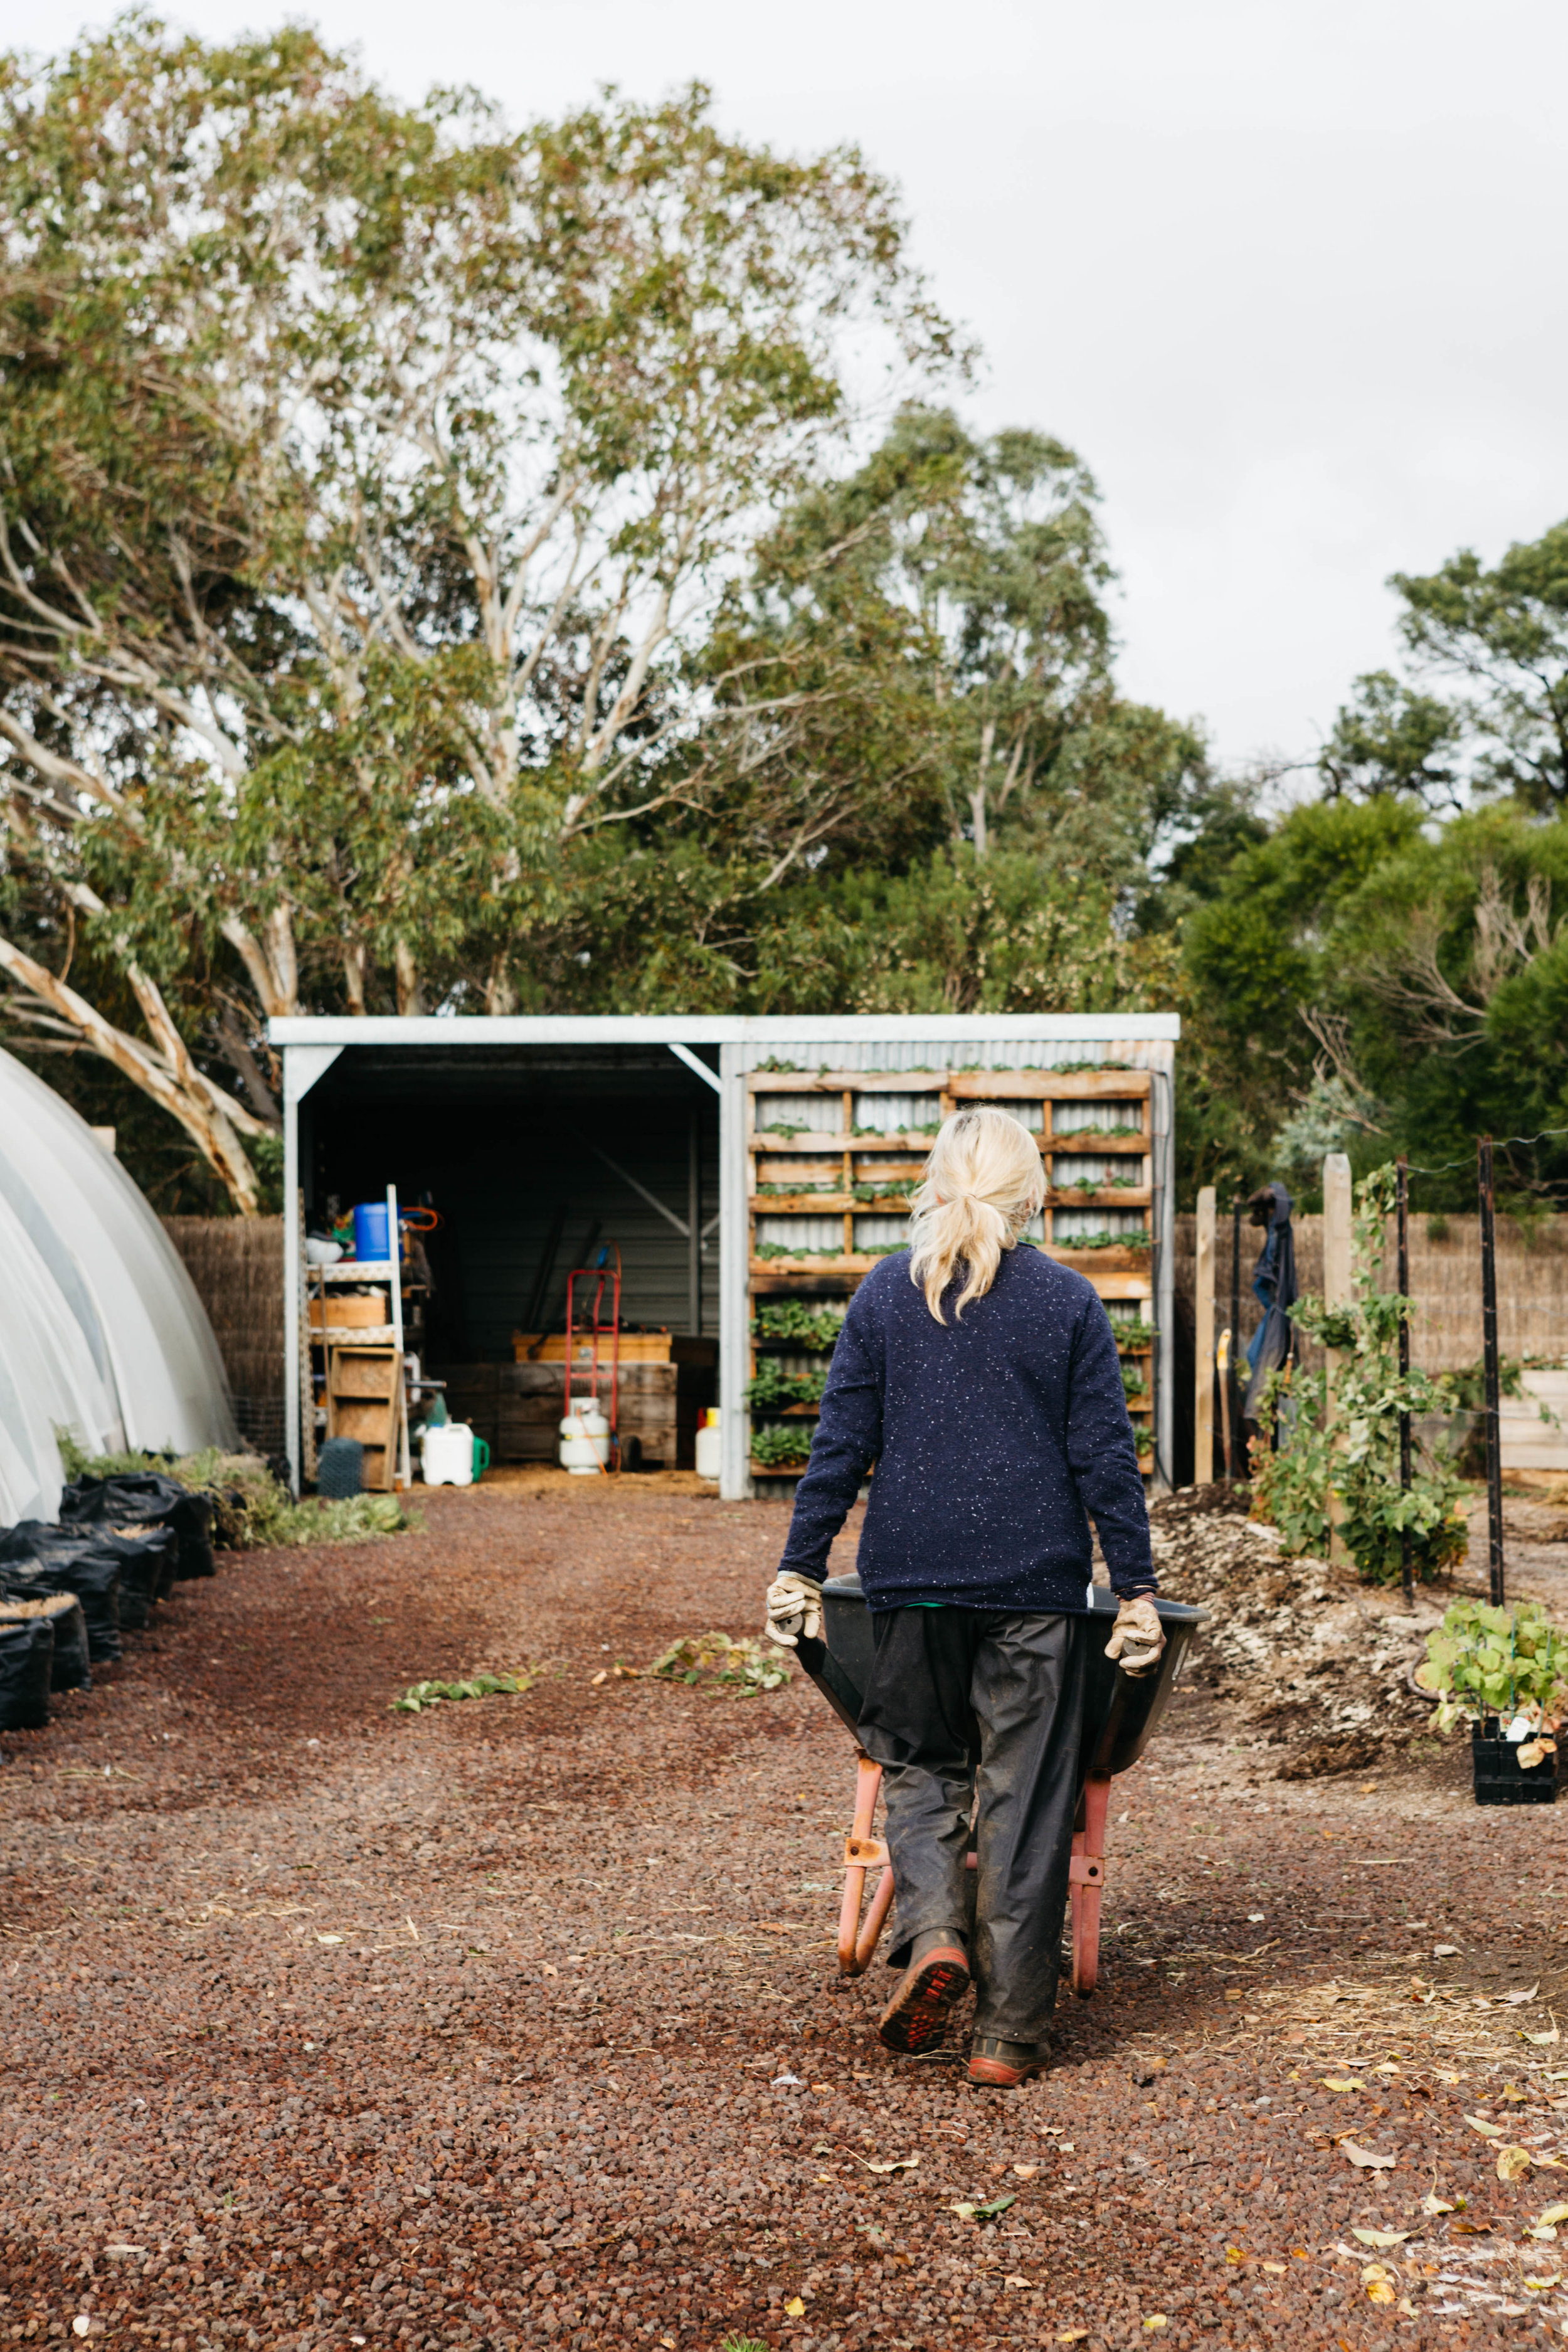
(1291, 279)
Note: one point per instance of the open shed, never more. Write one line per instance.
(749, 1171)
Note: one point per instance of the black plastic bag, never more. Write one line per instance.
(72, 1669)
(36, 1558)
(148, 1563)
(135, 1499)
(26, 1664)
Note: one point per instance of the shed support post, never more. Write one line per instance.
(734, 1283)
(303, 1065)
(1202, 1342)
(1337, 1225)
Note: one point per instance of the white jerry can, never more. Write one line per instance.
(584, 1439)
(446, 1455)
(708, 1444)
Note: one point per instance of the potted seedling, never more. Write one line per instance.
(1504, 1672)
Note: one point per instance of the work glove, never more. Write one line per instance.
(1138, 1637)
(794, 1607)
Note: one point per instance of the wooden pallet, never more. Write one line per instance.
(793, 1172)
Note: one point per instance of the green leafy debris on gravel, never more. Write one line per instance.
(986, 2212)
(419, 1695)
(722, 1663)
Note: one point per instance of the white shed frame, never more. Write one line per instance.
(874, 1042)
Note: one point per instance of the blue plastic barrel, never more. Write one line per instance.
(371, 1239)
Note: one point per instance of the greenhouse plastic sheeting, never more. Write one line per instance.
(103, 1332)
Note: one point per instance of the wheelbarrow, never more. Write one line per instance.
(1120, 1711)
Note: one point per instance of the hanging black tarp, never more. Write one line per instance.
(1274, 1287)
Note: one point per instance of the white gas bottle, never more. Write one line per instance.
(446, 1455)
(708, 1444)
(584, 1439)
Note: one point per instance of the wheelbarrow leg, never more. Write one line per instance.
(862, 1852)
(1087, 1878)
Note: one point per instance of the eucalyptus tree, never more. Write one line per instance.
(368, 475)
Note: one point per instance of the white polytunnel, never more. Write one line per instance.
(101, 1331)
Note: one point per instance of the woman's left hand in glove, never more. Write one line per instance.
(794, 1607)
(1138, 1638)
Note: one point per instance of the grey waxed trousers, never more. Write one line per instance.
(979, 1713)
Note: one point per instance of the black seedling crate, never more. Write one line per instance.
(1500, 1779)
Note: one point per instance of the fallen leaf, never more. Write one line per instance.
(1064, 2148)
(1072, 2335)
(1234, 2255)
(329, 1939)
(1387, 2067)
(987, 2212)
(1469, 2229)
(888, 2164)
(1432, 2203)
(1552, 2215)
(1543, 2041)
(1445, 1951)
(1532, 1752)
(1542, 2230)
(1545, 2286)
(1383, 2239)
(1493, 2131)
(795, 2308)
(1018, 2279)
(1513, 2163)
(1366, 2160)
(1156, 2319)
(1380, 2284)
(1341, 2082)
(1025, 2171)
(1517, 1999)
(1279, 2269)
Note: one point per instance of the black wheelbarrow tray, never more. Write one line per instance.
(1120, 1711)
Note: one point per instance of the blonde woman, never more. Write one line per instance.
(982, 1381)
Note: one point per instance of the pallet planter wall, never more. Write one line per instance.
(831, 1159)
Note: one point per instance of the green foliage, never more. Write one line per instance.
(811, 1329)
(782, 1443)
(773, 1387)
(720, 1663)
(1356, 1465)
(1503, 633)
(420, 1696)
(1483, 1660)
(251, 1511)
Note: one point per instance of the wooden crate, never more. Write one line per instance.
(364, 1400)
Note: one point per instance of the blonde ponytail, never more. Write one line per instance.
(983, 1182)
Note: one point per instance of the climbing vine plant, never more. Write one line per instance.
(1356, 1468)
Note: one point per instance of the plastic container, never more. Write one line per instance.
(708, 1444)
(372, 1232)
(1500, 1779)
(584, 1439)
(446, 1455)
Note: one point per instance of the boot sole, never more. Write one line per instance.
(915, 2019)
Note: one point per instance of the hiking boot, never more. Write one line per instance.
(915, 2019)
(998, 2065)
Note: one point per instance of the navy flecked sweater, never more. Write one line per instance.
(993, 1439)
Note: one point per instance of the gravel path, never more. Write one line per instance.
(516, 2023)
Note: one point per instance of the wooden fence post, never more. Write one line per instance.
(1337, 1221)
(1202, 1342)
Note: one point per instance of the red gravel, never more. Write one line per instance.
(325, 2025)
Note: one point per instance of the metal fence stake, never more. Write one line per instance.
(1402, 1280)
(1493, 1383)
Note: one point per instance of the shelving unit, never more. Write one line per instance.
(362, 1355)
(859, 1160)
